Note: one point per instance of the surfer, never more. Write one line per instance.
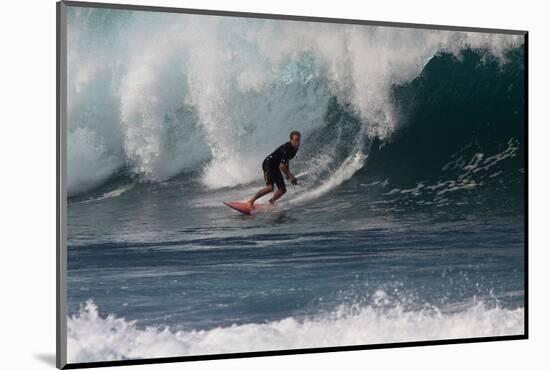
(272, 166)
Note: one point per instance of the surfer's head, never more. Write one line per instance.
(295, 139)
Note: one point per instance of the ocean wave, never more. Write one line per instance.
(461, 115)
(159, 98)
(92, 337)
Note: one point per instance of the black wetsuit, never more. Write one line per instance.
(270, 166)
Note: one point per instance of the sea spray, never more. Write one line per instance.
(92, 337)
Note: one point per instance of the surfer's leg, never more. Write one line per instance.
(279, 193)
(269, 184)
(259, 194)
(281, 188)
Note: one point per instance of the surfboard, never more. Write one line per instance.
(244, 208)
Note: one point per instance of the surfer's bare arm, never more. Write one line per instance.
(288, 174)
(286, 170)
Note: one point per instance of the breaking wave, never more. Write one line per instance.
(152, 97)
(93, 337)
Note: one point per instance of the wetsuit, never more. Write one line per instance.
(270, 166)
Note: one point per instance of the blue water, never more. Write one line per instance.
(220, 281)
(202, 268)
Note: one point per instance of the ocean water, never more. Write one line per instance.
(407, 223)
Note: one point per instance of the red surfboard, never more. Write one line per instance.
(244, 208)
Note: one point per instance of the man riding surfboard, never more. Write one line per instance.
(272, 166)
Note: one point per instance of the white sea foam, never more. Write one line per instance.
(351, 165)
(110, 194)
(89, 163)
(92, 337)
